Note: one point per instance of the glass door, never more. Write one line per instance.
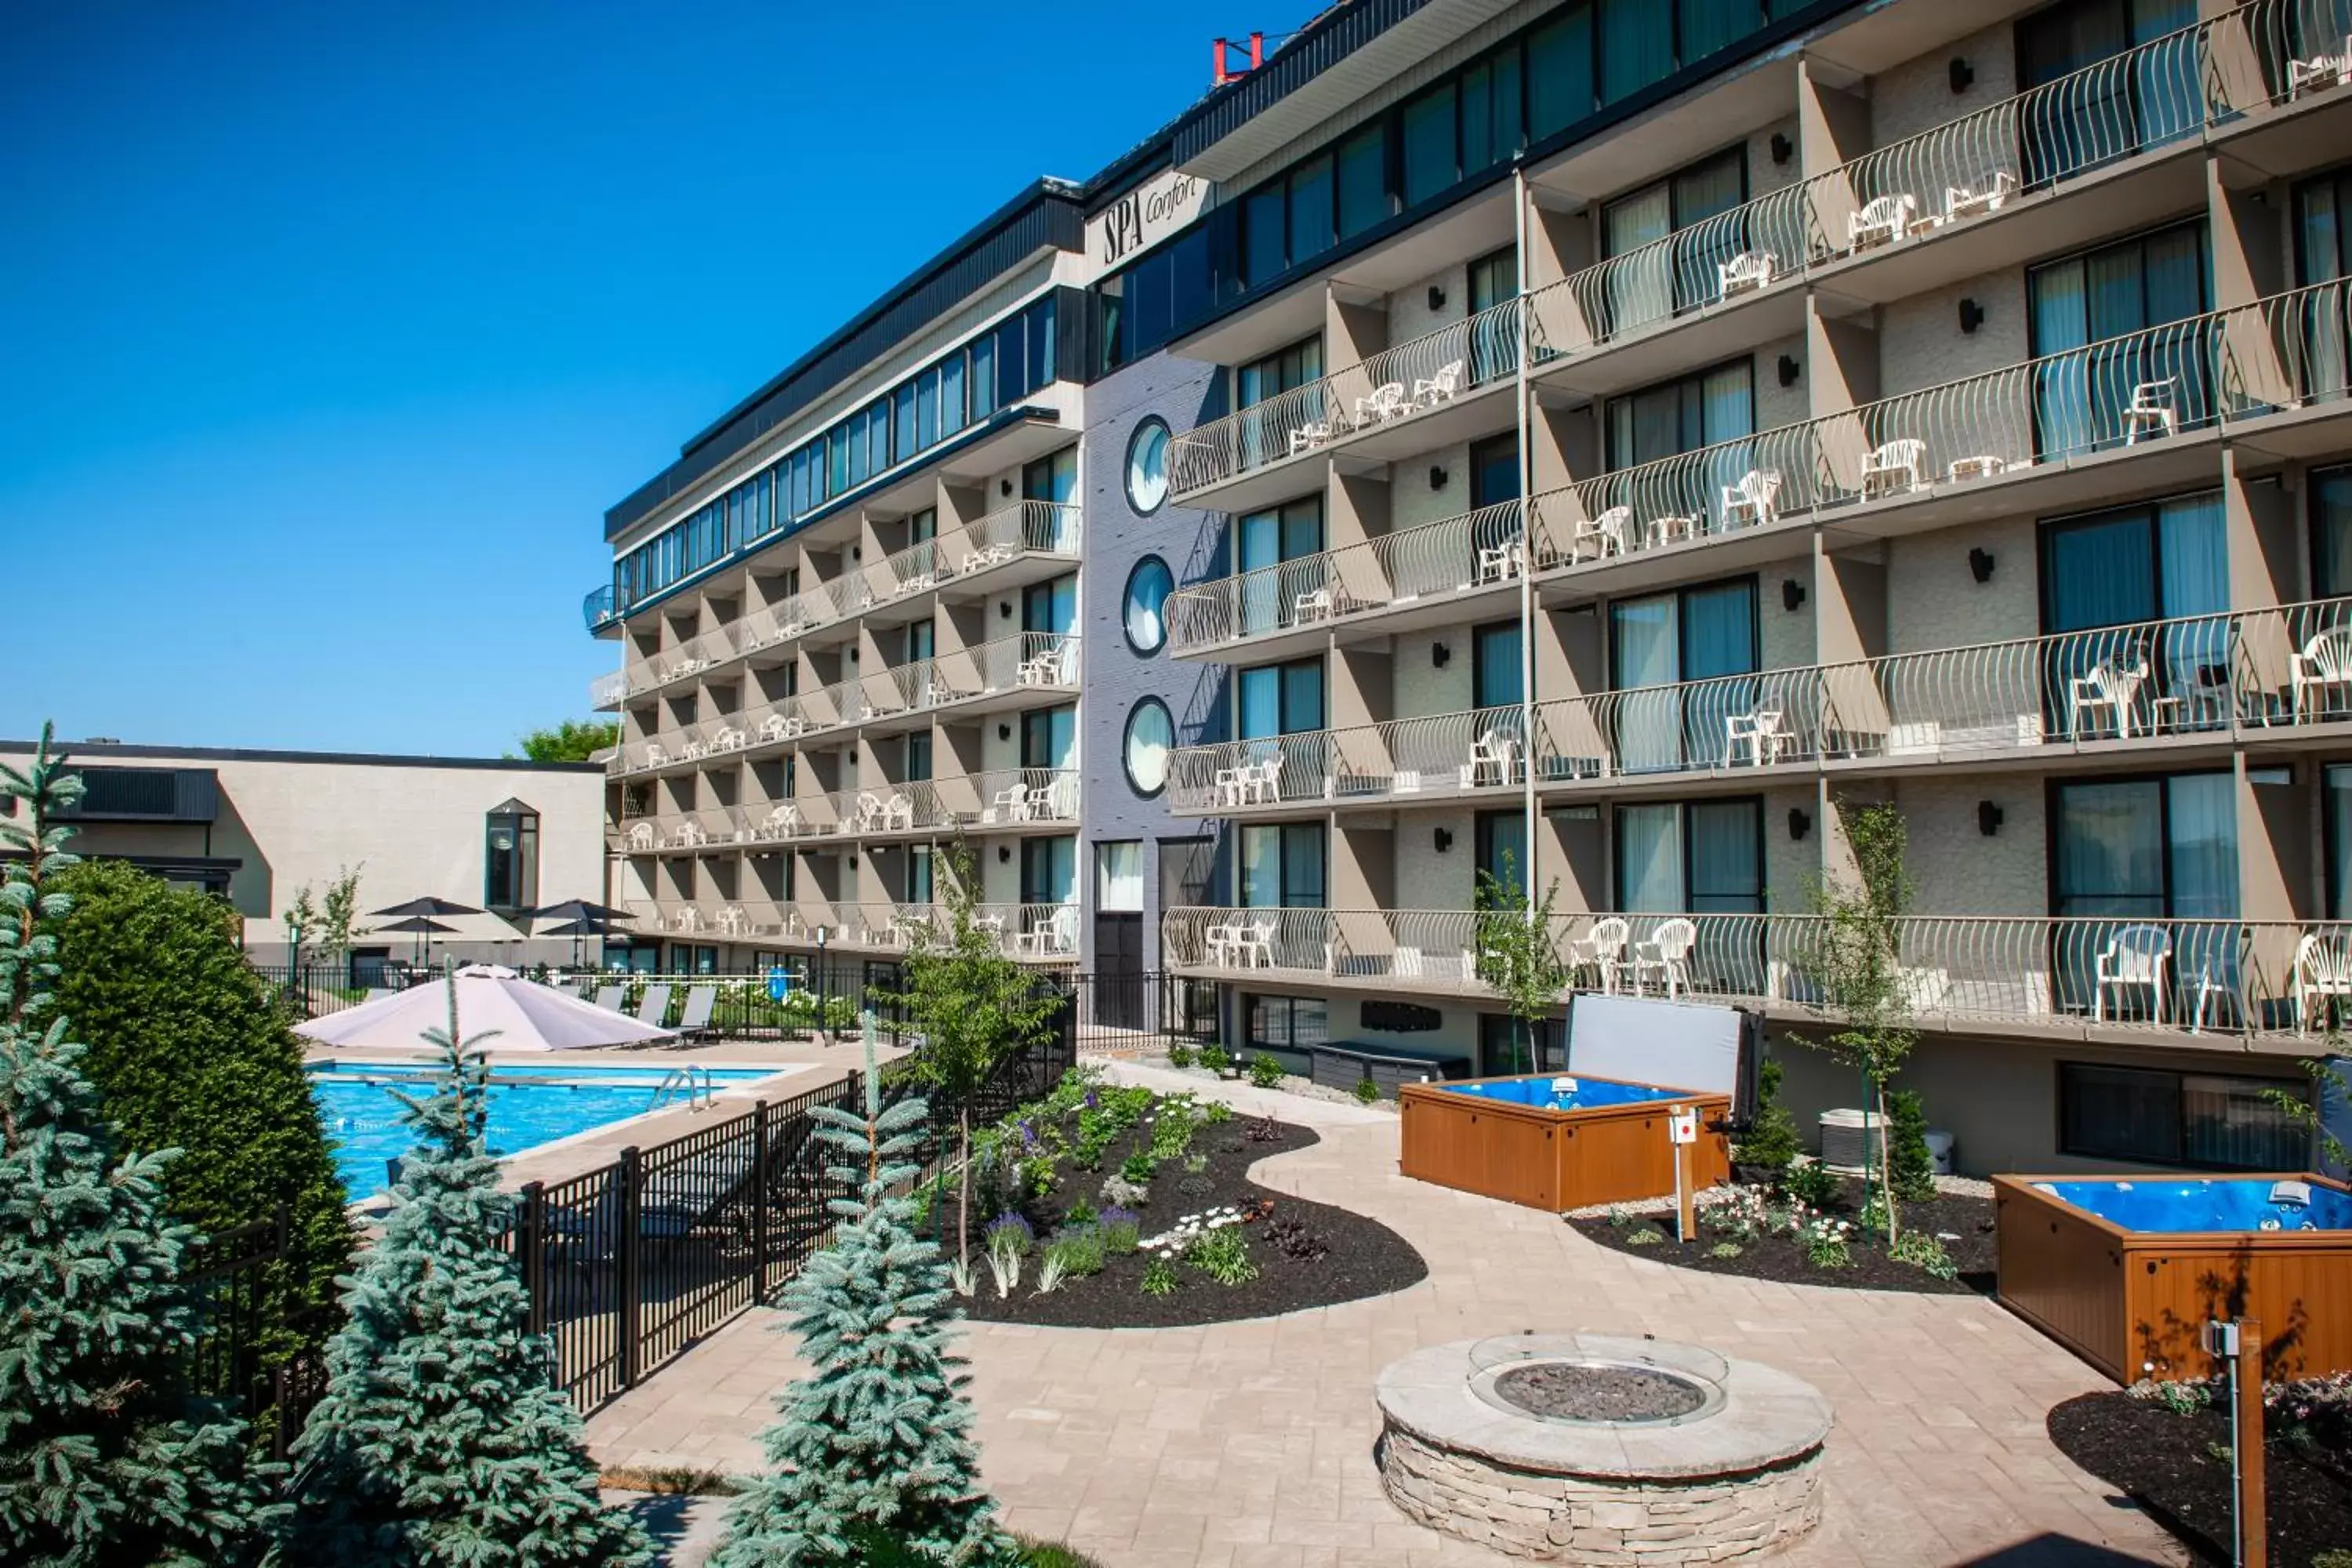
(2105, 578)
(2130, 857)
(2084, 383)
(1265, 546)
(1659, 647)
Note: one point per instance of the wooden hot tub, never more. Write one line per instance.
(2128, 1297)
(1473, 1136)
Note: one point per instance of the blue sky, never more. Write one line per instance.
(326, 333)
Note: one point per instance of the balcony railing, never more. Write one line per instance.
(2124, 972)
(598, 608)
(1415, 565)
(1027, 528)
(1442, 754)
(2245, 363)
(1395, 384)
(1001, 797)
(1045, 932)
(608, 690)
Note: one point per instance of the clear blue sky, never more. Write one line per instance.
(328, 331)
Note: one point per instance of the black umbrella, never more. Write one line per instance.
(581, 919)
(426, 909)
(424, 929)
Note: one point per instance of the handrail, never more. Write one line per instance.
(1027, 527)
(1436, 755)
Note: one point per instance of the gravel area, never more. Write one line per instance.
(1948, 1186)
(1291, 1084)
(1563, 1391)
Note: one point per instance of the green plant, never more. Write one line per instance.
(1216, 1113)
(1515, 955)
(1825, 1242)
(441, 1426)
(1079, 1212)
(1119, 1193)
(1619, 1216)
(1812, 1183)
(1179, 1056)
(1172, 1134)
(1923, 1251)
(1078, 1252)
(1121, 1231)
(1648, 1236)
(2330, 1084)
(1038, 1554)
(1770, 1142)
(1725, 1249)
(572, 741)
(104, 1456)
(1138, 1167)
(1911, 1166)
(1263, 1070)
(1222, 1254)
(1216, 1059)
(1367, 1092)
(1160, 1277)
(1195, 1163)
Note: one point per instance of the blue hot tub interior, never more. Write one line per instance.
(2221, 1203)
(1548, 1091)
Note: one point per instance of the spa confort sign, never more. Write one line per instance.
(1142, 218)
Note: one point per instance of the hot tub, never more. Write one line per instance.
(1557, 1141)
(2123, 1270)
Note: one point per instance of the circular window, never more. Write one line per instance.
(1147, 465)
(1151, 734)
(1148, 587)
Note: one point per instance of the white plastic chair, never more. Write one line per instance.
(1443, 387)
(641, 836)
(1606, 534)
(772, 727)
(729, 739)
(1764, 733)
(1603, 948)
(1310, 435)
(782, 821)
(1501, 563)
(1972, 201)
(1312, 605)
(1383, 403)
(2324, 667)
(2110, 686)
(1744, 273)
(1667, 955)
(1494, 760)
(2325, 71)
(1260, 782)
(1254, 945)
(654, 756)
(2151, 409)
(2323, 974)
(1882, 218)
(2137, 957)
(1900, 459)
(1755, 498)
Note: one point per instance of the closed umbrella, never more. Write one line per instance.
(526, 1015)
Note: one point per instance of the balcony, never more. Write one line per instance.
(599, 610)
(1441, 757)
(1041, 933)
(608, 691)
(1435, 389)
(1004, 801)
(1435, 574)
(1021, 543)
(2037, 976)
(2042, 434)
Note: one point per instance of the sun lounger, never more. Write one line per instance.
(608, 997)
(694, 1020)
(654, 1006)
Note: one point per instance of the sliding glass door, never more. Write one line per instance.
(2106, 108)
(1654, 280)
(1265, 546)
(2151, 290)
(1279, 714)
(2132, 860)
(1660, 644)
(1698, 857)
(2105, 577)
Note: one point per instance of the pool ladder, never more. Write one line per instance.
(695, 1083)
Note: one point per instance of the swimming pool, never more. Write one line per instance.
(1566, 1094)
(2220, 1203)
(530, 1105)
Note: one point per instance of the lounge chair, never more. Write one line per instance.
(694, 1026)
(653, 1006)
(608, 997)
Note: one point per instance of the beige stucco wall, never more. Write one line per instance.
(1918, 95)
(1932, 602)
(1960, 871)
(1921, 343)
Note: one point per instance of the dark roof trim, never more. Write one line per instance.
(1326, 40)
(77, 750)
(1048, 214)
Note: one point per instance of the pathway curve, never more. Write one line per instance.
(1250, 1445)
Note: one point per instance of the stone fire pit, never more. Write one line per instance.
(1601, 1448)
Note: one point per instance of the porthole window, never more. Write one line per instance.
(1148, 587)
(1150, 735)
(1147, 467)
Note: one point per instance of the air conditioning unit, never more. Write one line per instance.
(1843, 1142)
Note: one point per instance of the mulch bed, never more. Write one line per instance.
(2178, 1469)
(1782, 1257)
(1363, 1259)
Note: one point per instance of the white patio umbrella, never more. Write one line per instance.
(528, 1016)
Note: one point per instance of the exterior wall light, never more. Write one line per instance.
(1988, 818)
(1782, 148)
(1799, 823)
(1445, 840)
(1439, 654)
(1436, 477)
(1973, 316)
(1436, 297)
(1963, 75)
(1790, 371)
(1792, 593)
(1980, 564)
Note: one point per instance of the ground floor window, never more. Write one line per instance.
(1503, 1045)
(694, 960)
(1288, 1023)
(2217, 1121)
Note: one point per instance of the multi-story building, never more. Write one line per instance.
(1596, 446)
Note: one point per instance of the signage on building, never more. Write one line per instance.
(1143, 217)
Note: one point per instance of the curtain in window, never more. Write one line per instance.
(2321, 256)
(1363, 181)
(2336, 804)
(1708, 26)
(1503, 851)
(1118, 876)
(1727, 400)
(2230, 1122)
(1049, 870)
(1641, 287)
(1262, 868)
(2119, 1113)
(2110, 849)
(1559, 73)
(1701, 193)
(1726, 858)
(2097, 573)
(2192, 655)
(1649, 859)
(1430, 161)
(1646, 648)
(2331, 526)
(1302, 866)
(1719, 639)
(1637, 45)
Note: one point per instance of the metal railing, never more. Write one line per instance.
(1025, 528)
(1412, 565)
(1395, 384)
(598, 609)
(1440, 754)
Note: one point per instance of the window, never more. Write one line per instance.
(1502, 852)
(2130, 856)
(1282, 866)
(1495, 471)
(920, 885)
(1049, 870)
(1310, 209)
(1363, 181)
(1637, 45)
(1150, 735)
(1278, 373)
(1119, 877)
(1275, 538)
(1049, 737)
(1496, 675)
(1431, 156)
(1691, 858)
(1052, 605)
(2322, 250)
(1288, 1023)
(1188, 872)
(1054, 478)
(1145, 611)
(1494, 347)
(1659, 646)
(2215, 1121)
(2336, 813)
(511, 858)
(919, 759)
(1147, 467)
(1684, 415)
(2331, 532)
(2106, 577)
(1490, 110)
(2106, 114)
(2077, 305)
(1652, 280)
(1560, 72)
(1266, 251)
(1281, 698)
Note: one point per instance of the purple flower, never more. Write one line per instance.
(1008, 1222)
(1117, 1216)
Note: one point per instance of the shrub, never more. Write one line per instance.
(1138, 1167)
(1078, 1252)
(1079, 1212)
(1160, 1277)
(1648, 1236)
(1812, 1183)
(1920, 1249)
(1825, 1243)
(1222, 1254)
(1263, 1070)
(1216, 1059)
(1194, 1186)
(1122, 1230)
(1914, 1173)
(1263, 1130)
(1367, 1091)
(1216, 1113)
(1179, 1056)
(1008, 1232)
(1725, 1249)
(1770, 1143)
(1119, 1193)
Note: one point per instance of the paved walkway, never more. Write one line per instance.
(1250, 1445)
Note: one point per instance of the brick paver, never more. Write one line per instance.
(1250, 1445)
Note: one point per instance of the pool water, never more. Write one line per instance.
(2221, 1203)
(1548, 1092)
(530, 1105)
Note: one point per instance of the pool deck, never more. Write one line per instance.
(1249, 1445)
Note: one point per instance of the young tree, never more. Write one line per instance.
(1856, 962)
(2331, 1085)
(104, 1459)
(572, 740)
(975, 1009)
(339, 919)
(1515, 955)
(301, 922)
(189, 1051)
(442, 1441)
(870, 1459)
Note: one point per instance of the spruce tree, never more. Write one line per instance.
(105, 1460)
(870, 1459)
(442, 1439)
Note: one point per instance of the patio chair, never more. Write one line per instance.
(1504, 563)
(1881, 219)
(1754, 497)
(1668, 529)
(1764, 732)
(1973, 200)
(1383, 404)
(1443, 387)
(897, 811)
(2324, 666)
(641, 836)
(1308, 436)
(654, 756)
(1053, 935)
(694, 1017)
(2323, 975)
(1744, 273)
(1606, 534)
(732, 921)
(1602, 949)
(608, 997)
(2319, 73)
(1219, 942)
(1313, 606)
(1667, 955)
(2151, 409)
(1258, 782)
(1010, 805)
(2108, 686)
(2137, 957)
(1897, 460)
(783, 822)
(729, 739)
(1254, 944)
(1494, 760)
(654, 1006)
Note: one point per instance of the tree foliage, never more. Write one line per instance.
(572, 740)
(104, 1457)
(1513, 952)
(1770, 1142)
(442, 1440)
(190, 1052)
(871, 1459)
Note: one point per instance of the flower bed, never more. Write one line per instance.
(1104, 1207)
(1818, 1237)
(2168, 1447)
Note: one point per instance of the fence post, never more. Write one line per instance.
(632, 1309)
(760, 1178)
(531, 1256)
